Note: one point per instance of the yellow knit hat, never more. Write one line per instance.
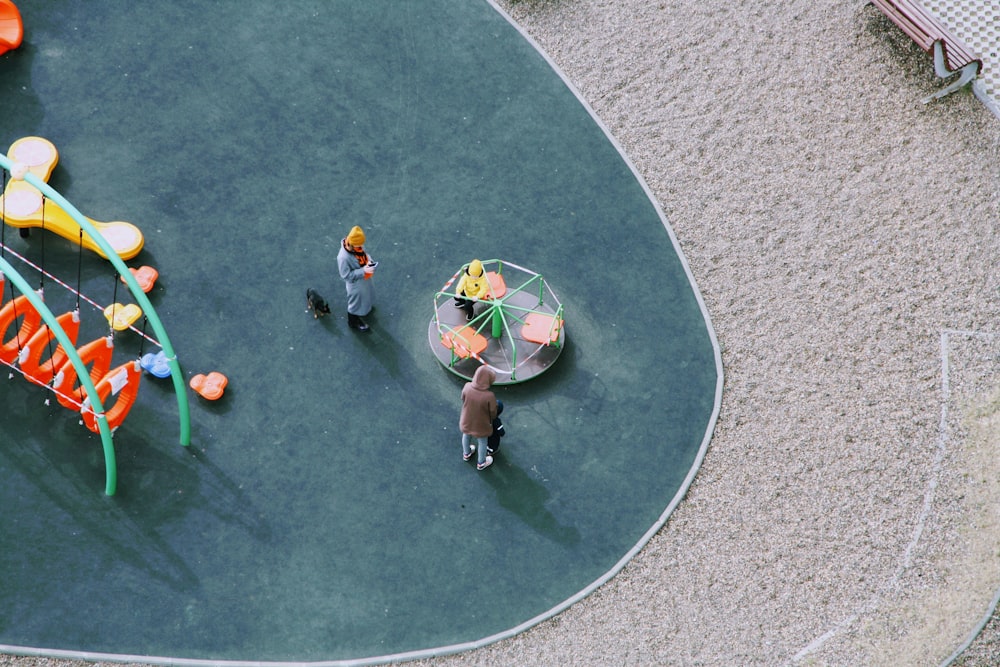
(356, 236)
(475, 268)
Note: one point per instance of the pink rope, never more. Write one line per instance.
(71, 399)
(72, 290)
(451, 281)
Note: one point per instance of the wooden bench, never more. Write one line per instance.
(951, 56)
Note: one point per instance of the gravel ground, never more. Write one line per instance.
(845, 239)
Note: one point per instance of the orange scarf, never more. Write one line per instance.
(361, 256)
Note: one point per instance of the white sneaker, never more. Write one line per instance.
(485, 464)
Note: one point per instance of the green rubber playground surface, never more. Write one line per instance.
(323, 511)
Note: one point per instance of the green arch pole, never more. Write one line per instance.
(180, 389)
(110, 467)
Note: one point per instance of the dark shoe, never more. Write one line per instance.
(356, 322)
(469, 315)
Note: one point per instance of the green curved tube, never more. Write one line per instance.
(110, 467)
(180, 389)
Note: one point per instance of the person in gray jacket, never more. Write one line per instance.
(357, 268)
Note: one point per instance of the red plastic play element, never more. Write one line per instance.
(31, 319)
(11, 27)
(69, 391)
(209, 386)
(541, 328)
(121, 382)
(465, 342)
(41, 343)
(146, 277)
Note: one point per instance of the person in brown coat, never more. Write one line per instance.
(479, 409)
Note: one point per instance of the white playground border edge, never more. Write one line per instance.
(906, 559)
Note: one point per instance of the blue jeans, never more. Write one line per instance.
(480, 446)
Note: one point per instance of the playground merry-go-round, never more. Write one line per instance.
(517, 328)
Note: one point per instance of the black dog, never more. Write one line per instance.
(316, 303)
(493, 443)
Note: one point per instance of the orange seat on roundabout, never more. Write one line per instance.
(123, 383)
(498, 286)
(541, 328)
(464, 342)
(32, 319)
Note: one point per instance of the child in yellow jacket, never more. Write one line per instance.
(473, 283)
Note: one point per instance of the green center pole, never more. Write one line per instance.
(110, 466)
(175, 370)
(497, 319)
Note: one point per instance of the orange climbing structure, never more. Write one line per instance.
(11, 26)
